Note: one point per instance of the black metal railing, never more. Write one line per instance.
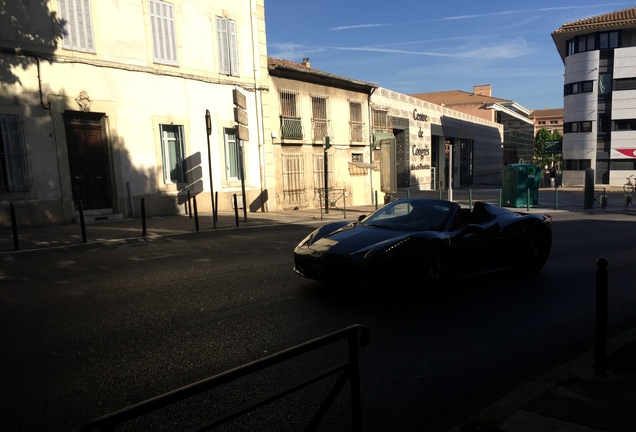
(357, 336)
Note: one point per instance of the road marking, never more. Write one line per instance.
(161, 256)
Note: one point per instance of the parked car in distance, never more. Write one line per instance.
(425, 242)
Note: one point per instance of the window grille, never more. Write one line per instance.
(291, 127)
(319, 172)
(13, 167)
(319, 117)
(381, 119)
(294, 190)
(355, 121)
(228, 47)
(77, 33)
(164, 45)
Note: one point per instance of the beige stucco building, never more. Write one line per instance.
(310, 111)
(106, 118)
(380, 142)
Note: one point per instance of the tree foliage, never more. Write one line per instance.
(540, 158)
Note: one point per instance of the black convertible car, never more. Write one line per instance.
(425, 241)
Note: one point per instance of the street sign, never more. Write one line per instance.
(240, 116)
(243, 133)
(553, 147)
(239, 99)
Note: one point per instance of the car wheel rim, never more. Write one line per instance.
(432, 268)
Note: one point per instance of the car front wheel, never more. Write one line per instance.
(432, 268)
(538, 250)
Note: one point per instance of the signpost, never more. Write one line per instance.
(242, 134)
(208, 127)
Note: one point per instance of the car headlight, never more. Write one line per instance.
(387, 250)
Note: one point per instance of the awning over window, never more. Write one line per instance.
(381, 136)
(362, 164)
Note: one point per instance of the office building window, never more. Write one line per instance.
(77, 25)
(578, 87)
(591, 42)
(573, 127)
(13, 166)
(625, 84)
(164, 45)
(173, 155)
(228, 47)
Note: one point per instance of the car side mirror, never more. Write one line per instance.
(361, 217)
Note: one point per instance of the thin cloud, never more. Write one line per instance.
(350, 27)
(475, 16)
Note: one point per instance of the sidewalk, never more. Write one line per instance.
(568, 399)
(30, 238)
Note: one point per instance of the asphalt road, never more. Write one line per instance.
(90, 329)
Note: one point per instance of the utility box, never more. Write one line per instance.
(520, 185)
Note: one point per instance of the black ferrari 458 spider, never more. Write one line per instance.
(426, 241)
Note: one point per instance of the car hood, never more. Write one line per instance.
(351, 240)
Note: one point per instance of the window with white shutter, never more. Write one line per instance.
(164, 45)
(228, 47)
(77, 25)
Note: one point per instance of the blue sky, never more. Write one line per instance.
(420, 46)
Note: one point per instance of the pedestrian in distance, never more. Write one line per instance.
(552, 177)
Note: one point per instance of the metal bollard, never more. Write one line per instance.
(236, 217)
(82, 223)
(470, 199)
(196, 213)
(143, 217)
(600, 345)
(604, 199)
(556, 198)
(215, 210)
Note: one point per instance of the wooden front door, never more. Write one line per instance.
(88, 162)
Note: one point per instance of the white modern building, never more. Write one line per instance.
(599, 109)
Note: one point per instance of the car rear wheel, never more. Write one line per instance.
(432, 268)
(538, 249)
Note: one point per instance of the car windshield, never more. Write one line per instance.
(412, 215)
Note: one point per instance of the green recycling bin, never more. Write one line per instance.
(520, 185)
